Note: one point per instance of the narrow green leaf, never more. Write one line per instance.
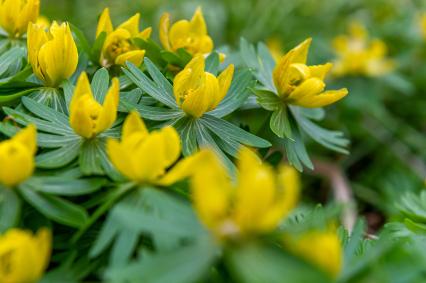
(154, 113)
(212, 63)
(59, 157)
(64, 186)
(280, 123)
(100, 83)
(10, 208)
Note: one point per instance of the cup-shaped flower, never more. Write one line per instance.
(52, 53)
(118, 46)
(359, 55)
(190, 35)
(24, 256)
(303, 85)
(255, 204)
(197, 91)
(87, 116)
(16, 14)
(322, 248)
(17, 157)
(144, 157)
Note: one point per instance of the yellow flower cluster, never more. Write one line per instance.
(359, 55)
(303, 85)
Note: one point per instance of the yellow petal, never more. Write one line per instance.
(36, 38)
(301, 51)
(308, 89)
(17, 162)
(280, 73)
(82, 88)
(145, 34)
(164, 30)
(133, 124)
(198, 25)
(108, 113)
(122, 159)
(320, 71)
(178, 34)
(191, 77)
(255, 192)
(172, 145)
(131, 25)
(211, 190)
(80, 118)
(104, 23)
(225, 79)
(199, 101)
(323, 99)
(16, 15)
(135, 57)
(27, 137)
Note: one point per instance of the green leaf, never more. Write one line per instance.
(212, 63)
(268, 99)
(161, 81)
(236, 96)
(47, 113)
(148, 86)
(95, 51)
(81, 39)
(296, 150)
(154, 113)
(51, 98)
(100, 83)
(10, 57)
(227, 130)
(8, 97)
(54, 208)
(152, 50)
(65, 186)
(59, 157)
(89, 158)
(10, 208)
(183, 265)
(186, 129)
(280, 123)
(55, 141)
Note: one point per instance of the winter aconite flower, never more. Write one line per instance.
(17, 157)
(322, 248)
(359, 55)
(16, 14)
(87, 117)
(255, 203)
(190, 35)
(144, 157)
(118, 46)
(23, 255)
(303, 85)
(197, 91)
(53, 53)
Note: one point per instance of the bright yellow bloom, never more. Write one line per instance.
(87, 116)
(257, 203)
(118, 47)
(197, 91)
(17, 157)
(190, 35)
(43, 22)
(23, 255)
(144, 157)
(359, 55)
(16, 14)
(303, 85)
(52, 54)
(322, 248)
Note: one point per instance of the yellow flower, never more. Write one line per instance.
(52, 54)
(422, 24)
(359, 55)
(190, 35)
(322, 248)
(303, 85)
(16, 14)
(197, 91)
(17, 157)
(24, 256)
(118, 47)
(87, 117)
(275, 46)
(43, 22)
(144, 157)
(257, 203)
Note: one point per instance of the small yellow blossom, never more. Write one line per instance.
(322, 248)
(256, 203)
(43, 22)
(303, 85)
(118, 47)
(144, 157)
(16, 14)
(197, 91)
(359, 55)
(190, 35)
(17, 157)
(422, 24)
(53, 53)
(23, 255)
(87, 116)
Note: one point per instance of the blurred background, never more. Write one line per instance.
(384, 115)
